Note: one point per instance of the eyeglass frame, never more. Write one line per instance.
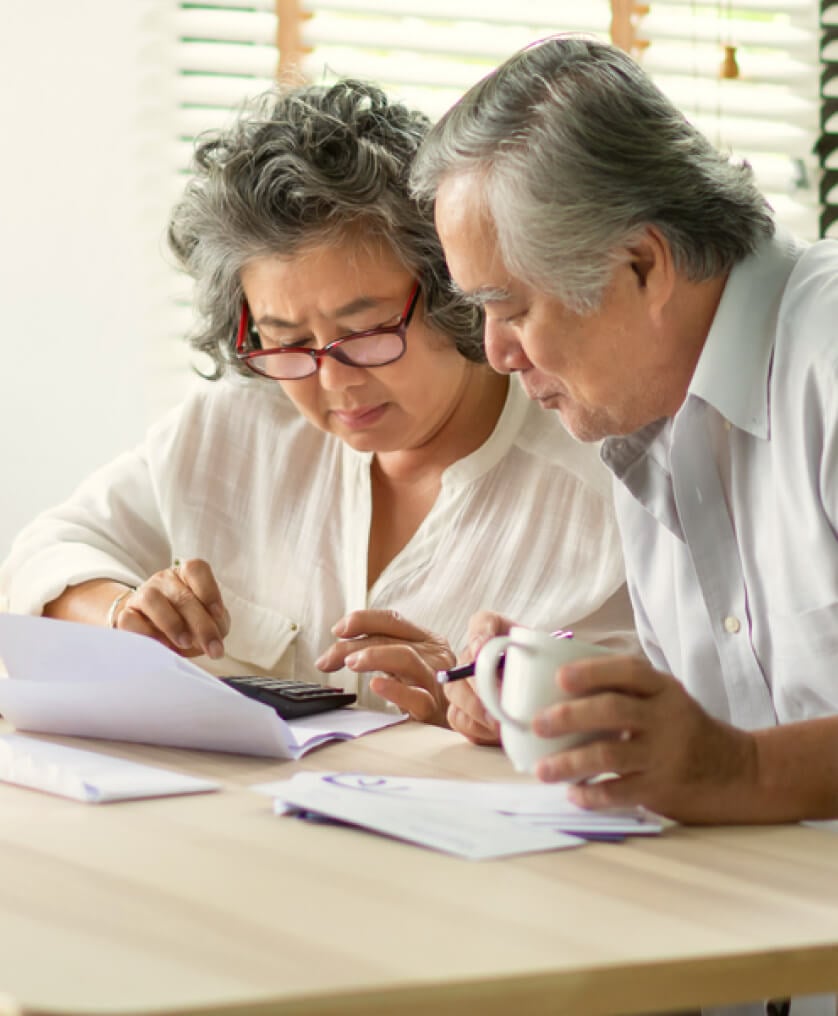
(317, 355)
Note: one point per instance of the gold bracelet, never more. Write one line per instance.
(110, 621)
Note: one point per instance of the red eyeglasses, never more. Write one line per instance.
(375, 347)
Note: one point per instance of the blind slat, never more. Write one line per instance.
(229, 26)
(562, 15)
(227, 58)
(460, 40)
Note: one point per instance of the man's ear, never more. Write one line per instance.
(650, 259)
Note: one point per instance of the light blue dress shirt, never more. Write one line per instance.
(729, 511)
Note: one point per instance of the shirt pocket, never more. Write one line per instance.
(260, 641)
(804, 659)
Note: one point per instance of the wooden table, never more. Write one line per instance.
(212, 904)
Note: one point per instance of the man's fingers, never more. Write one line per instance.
(623, 792)
(611, 754)
(606, 711)
(631, 675)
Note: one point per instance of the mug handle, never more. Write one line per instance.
(486, 678)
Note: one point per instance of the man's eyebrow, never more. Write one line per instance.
(483, 294)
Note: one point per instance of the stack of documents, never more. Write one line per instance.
(473, 820)
(79, 679)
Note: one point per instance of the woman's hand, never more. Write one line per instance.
(406, 657)
(181, 607)
(466, 713)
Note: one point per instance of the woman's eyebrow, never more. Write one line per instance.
(353, 307)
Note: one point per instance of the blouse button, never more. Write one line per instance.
(732, 625)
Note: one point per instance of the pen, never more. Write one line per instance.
(467, 669)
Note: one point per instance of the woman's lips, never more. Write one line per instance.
(359, 419)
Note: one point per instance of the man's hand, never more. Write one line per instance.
(666, 752)
(181, 607)
(405, 656)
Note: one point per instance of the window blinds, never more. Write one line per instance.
(828, 144)
(747, 73)
(214, 55)
(428, 52)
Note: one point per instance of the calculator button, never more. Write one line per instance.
(290, 698)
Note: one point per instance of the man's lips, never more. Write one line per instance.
(542, 396)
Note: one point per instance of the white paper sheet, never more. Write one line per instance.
(535, 805)
(87, 681)
(88, 776)
(472, 820)
(473, 833)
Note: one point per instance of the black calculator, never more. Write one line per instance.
(291, 699)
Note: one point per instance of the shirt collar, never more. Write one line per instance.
(734, 367)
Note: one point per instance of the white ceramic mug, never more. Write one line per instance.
(528, 686)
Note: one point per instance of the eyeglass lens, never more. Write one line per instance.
(374, 350)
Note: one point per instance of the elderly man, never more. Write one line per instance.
(635, 279)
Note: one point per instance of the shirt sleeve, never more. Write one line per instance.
(110, 528)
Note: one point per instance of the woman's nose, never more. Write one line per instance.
(334, 375)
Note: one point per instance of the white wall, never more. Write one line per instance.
(80, 221)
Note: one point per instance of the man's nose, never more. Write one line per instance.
(503, 348)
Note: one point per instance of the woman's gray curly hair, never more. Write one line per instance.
(299, 168)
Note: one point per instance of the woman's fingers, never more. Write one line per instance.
(482, 626)
(181, 607)
(471, 728)
(198, 576)
(467, 714)
(407, 676)
(417, 702)
(388, 623)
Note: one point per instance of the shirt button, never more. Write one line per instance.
(728, 425)
(294, 626)
(732, 624)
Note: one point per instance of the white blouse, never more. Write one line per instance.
(281, 511)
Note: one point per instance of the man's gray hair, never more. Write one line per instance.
(575, 152)
(299, 168)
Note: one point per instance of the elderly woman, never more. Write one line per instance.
(353, 462)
